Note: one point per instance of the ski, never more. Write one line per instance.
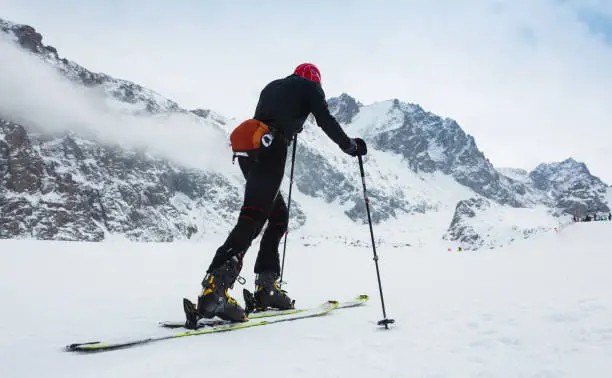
(99, 346)
(202, 323)
(257, 319)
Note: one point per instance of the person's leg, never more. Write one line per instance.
(268, 256)
(264, 178)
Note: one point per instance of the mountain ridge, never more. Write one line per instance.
(425, 147)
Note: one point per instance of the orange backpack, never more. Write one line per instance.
(248, 138)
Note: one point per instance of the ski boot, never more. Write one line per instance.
(269, 295)
(215, 300)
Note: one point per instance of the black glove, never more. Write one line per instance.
(358, 147)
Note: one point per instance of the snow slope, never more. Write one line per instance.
(538, 308)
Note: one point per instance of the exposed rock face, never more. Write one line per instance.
(344, 107)
(460, 229)
(68, 188)
(571, 187)
(316, 176)
(430, 143)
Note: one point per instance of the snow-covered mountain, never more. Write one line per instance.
(571, 186)
(70, 185)
(489, 207)
(426, 177)
(71, 188)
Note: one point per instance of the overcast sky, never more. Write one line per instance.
(531, 80)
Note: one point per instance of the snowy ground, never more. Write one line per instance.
(540, 308)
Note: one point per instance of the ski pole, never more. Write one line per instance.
(280, 285)
(384, 322)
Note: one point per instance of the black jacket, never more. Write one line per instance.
(284, 105)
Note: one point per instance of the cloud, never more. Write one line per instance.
(529, 79)
(35, 94)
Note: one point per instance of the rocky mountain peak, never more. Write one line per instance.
(28, 38)
(567, 167)
(572, 185)
(430, 143)
(560, 175)
(344, 107)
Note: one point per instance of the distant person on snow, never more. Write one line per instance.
(261, 145)
(610, 217)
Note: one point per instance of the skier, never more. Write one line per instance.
(261, 146)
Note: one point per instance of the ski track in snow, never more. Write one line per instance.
(538, 308)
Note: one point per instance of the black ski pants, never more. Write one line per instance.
(262, 201)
